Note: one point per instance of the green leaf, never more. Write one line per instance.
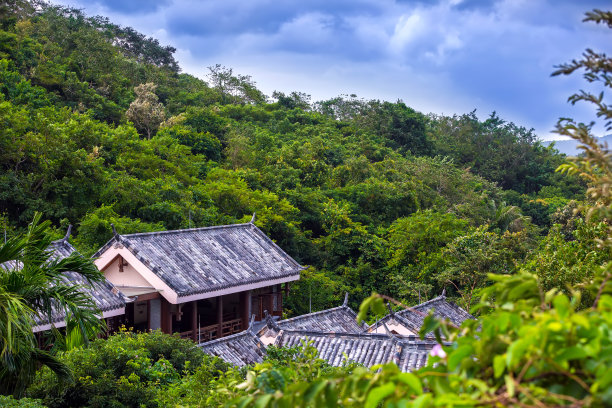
(430, 323)
(314, 390)
(263, 401)
(499, 365)
(378, 394)
(457, 356)
(411, 381)
(422, 401)
(562, 305)
(571, 353)
(509, 385)
(331, 396)
(364, 308)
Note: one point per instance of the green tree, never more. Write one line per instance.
(146, 111)
(32, 286)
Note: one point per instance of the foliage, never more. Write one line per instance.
(127, 369)
(532, 346)
(10, 402)
(33, 289)
(145, 111)
(327, 179)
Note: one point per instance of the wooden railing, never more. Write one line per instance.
(215, 331)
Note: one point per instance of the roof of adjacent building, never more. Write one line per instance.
(412, 318)
(341, 319)
(368, 349)
(443, 309)
(239, 349)
(105, 296)
(199, 260)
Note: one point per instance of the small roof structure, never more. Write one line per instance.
(409, 321)
(107, 298)
(239, 349)
(341, 319)
(199, 263)
(368, 349)
(444, 309)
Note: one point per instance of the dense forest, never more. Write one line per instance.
(98, 126)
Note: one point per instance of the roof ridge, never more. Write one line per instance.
(184, 230)
(320, 312)
(441, 297)
(382, 336)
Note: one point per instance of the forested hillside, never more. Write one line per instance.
(98, 125)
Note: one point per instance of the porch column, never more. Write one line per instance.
(245, 308)
(220, 315)
(166, 317)
(194, 320)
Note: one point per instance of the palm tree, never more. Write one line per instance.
(33, 288)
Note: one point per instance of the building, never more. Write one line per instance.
(339, 339)
(203, 283)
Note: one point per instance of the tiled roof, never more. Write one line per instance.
(368, 349)
(413, 317)
(105, 296)
(341, 319)
(239, 349)
(444, 309)
(200, 260)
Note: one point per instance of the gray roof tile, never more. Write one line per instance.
(239, 349)
(200, 260)
(413, 318)
(105, 296)
(341, 319)
(368, 349)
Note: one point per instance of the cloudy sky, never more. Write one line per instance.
(440, 56)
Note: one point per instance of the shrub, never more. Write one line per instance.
(10, 402)
(127, 369)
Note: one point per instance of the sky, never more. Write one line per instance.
(438, 56)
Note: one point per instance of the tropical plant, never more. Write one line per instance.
(33, 289)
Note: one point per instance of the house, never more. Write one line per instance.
(203, 283)
(409, 321)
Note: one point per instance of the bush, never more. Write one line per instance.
(127, 369)
(10, 402)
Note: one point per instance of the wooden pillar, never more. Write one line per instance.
(220, 315)
(194, 320)
(166, 317)
(245, 308)
(149, 314)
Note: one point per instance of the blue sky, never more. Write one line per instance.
(438, 56)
